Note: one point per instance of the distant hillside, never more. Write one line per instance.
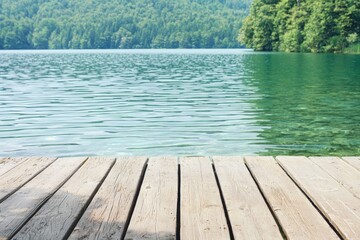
(61, 24)
(303, 26)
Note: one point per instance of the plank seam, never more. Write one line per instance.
(231, 233)
(31, 178)
(311, 201)
(87, 203)
(9, 158)
(280, 227)
(178, 210)
(133, 204)
(334, 178)
(349, 164)
(42, 203)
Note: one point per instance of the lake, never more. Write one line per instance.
(178, 102)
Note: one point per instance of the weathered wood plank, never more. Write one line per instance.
(353, 161)
(297, 216)
(337, 204)
(202, 214)
(108, 212)
(55, 219)
(15, 178)
(8, 163)
(16, 209)
(154, 216)
(342, 172)
(249, 215)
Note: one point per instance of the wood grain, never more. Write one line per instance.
(18, 208)
(8, 163)
(342, 172)
(108, 212)
(353, 161)
(298, 217)
(249, 215)
(337, 204)
(15, 178)
(154, 216)
(55, 219)
(202, 214)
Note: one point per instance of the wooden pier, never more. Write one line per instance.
(180, 198)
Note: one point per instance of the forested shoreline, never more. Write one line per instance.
(268, 25)
(303, 26)
(95, 24)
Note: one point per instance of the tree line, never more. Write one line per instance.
(88, 24)
(302, 25)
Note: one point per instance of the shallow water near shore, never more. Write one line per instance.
(178, 102)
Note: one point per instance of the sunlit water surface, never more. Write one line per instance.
(178, 102)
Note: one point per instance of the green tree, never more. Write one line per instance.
(306, 25)
(120, 23)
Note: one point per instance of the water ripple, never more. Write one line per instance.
(153, 103)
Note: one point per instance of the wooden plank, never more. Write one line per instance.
(17, 209)
(154, 216)
(353, 161)
(342, 172)
(8, 163)
(337, 204)
(297, 216)
(202, 214)
(15, 178)
(249, 215)
(108, 212)
(56, 218)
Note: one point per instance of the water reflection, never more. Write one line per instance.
(178, 103)
(309, 104)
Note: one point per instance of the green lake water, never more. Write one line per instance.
(178, 102)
